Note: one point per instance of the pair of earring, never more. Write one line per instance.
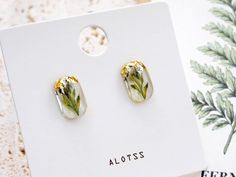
(71, 99)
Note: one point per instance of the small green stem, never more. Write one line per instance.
(141, 90)
(141, 93)
(230, 137)
(228, 141)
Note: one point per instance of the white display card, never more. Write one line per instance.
(162, 129)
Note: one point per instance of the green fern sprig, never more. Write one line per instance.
(224, 2)
(138, 84)
(226, 55)
(70, 99)
(225, 33)
(217, 114)
(216, 78)
(224, 15)
(228, 3)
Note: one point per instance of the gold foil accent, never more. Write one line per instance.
(60, 82)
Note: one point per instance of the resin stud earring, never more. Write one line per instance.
(70, 97)
(137, 81)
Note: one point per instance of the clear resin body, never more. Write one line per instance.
(70, 97)
(137, 81)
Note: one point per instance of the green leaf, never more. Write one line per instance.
(145, 90)
(224, 15)
(225, 54)
(220, 124)
(193, 97)
(137, 84)
(73, 93)
(227, 93)
(225, 33)
(204, 112)
(212, 76)
(220, 103)
(209, 121)
(230, 80)
(200, 97)
(198, 108)
(78, 103)
(134, 86)
(233, 4)
(229, 110)
(210, 111)
(215, 78)
(141, 79)
(223, 2)
(70, 100)
(218, 116)
(136, 80)
(209, 99)
(78, 98)
(65, 100)
(219, 87)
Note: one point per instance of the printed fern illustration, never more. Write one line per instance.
(215, 107)
(218, 113)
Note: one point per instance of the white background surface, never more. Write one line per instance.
(168, 138)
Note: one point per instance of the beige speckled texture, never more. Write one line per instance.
(13, 160)
(93, 41)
